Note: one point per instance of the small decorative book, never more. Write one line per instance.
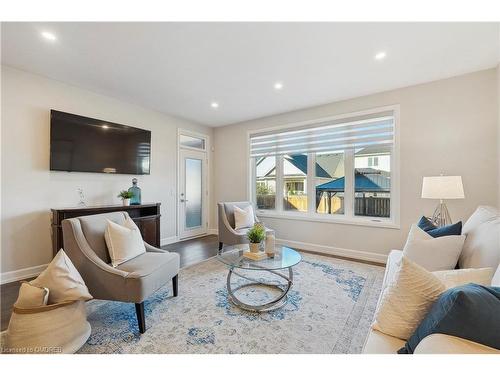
(255, 256)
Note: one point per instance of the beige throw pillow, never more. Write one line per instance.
(124, 241)
(453, 278)
(243, 218)
(434, 254)
(31, 296)
(406, 299)
(63, 280)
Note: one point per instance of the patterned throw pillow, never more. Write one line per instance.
(406, 299)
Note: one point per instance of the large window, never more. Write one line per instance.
(336, 169)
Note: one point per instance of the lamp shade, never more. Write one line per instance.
(443, 187)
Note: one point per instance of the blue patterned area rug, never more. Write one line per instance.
(329, 310)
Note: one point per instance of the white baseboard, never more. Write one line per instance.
(168, 240)
(348, 253)
(24, 273)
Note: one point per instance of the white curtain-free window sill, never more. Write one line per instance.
(328, 218)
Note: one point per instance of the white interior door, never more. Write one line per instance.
(192, 193)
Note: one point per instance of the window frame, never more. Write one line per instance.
(348, 216)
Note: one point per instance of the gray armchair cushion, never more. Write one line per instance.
(148, 273)
(148, 263)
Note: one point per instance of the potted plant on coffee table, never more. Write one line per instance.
(125, 197)
(256, 235)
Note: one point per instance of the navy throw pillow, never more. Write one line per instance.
(425, 224)
(469, 311)
(448, 230)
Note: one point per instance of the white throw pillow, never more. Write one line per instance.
(124, 241)
(31, 296)
(243, 218)
(482, 246)
(63, 280)
(434, 254)
(453, 278)
(480, 216)
(406, 299)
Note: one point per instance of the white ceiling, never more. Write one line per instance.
(180, 68)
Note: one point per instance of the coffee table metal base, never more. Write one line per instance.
(276, 303)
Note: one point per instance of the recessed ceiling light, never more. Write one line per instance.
(49, 36)
(380, 55)
(278, 85)
(105, 127)
(214, 105)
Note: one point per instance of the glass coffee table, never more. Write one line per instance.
(284, 259)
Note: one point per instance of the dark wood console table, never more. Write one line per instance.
(146, 216)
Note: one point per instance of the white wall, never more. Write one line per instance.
(30, 190)
(447, 126)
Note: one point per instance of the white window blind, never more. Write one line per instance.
(352, 133)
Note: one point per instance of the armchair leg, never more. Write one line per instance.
(220, 247)
(141, 320)
(175, 285)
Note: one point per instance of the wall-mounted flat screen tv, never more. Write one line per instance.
(83, 144)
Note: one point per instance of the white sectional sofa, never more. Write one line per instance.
(483, 251)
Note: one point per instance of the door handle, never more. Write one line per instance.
(184, 200)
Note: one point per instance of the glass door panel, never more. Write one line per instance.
(193, 198)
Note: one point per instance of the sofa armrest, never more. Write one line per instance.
(379, 343)
(438, 343)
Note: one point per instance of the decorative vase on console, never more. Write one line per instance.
(136, 199)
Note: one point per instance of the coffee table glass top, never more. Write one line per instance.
(284, 257)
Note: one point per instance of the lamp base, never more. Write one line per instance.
(441, 216)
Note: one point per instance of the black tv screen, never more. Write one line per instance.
(83, 144)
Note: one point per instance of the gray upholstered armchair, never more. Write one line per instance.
(132, 281)
(227, 234)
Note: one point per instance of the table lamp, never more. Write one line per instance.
(442, 187)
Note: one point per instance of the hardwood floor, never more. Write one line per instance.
(195, 250)
(190, 251)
